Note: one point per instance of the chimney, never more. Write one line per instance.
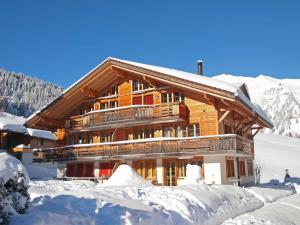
(200, 67)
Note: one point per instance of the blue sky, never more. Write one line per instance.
(60, 40)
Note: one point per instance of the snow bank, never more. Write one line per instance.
(126, 176)
(83, 202)
(14, 197)
(193, 175)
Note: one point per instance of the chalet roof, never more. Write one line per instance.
(215, 87)
(208, 81)
(9, 122)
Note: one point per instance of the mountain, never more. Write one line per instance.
(21, 95)
(279, 98)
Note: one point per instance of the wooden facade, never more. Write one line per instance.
(153, 121)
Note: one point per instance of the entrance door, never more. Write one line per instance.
(170, 173)
(148, 99)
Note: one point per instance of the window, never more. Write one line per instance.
(242, 171)
(168, 132)
(137, 85)
(150, 168)
(250, 167)
(149, 133)
(166, 97)
(104, 137)
(194, 130)
(114, 104)
(139, 167)
(80, 141)
(138, 134)
(178, 132)
(41, 142)
(230, 167)
(114, 90)
(103, 105)
(105, 94)
(182, 167)
(178, 97)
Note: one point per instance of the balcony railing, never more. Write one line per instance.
(130, 114)
(148, 147)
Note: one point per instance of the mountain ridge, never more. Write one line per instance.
(279, 98)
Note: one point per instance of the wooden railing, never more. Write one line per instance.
(208, 144)
(127, 114)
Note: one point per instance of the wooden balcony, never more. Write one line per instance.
(222, 144)
(129, 115)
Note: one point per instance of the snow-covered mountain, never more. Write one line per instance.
(280, 98)
(22, 95)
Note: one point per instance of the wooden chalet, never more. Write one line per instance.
(156, 120)
(19, 140)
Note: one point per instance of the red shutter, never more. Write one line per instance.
(148, 100)
(137, 100)
(79, 170)
(70, 170)
(89, 169)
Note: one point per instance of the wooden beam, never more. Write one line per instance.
(239, 125)
(55, 122)
(90, 92)
(255, 133)
(250, 123)
(224, 116)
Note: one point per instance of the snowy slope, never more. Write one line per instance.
(276, 153)
(279, 98)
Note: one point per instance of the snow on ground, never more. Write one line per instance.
(276, 153)
(284, 211)
(84, 202)
(135, 201)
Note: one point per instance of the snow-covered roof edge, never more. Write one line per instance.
(15, 124)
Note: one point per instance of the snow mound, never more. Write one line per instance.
(193, 175)
(10, 167)
(126, 176)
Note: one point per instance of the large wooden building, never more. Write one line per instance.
(156, 120)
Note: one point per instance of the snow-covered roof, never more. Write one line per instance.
(204, 80)
(9, 122)
(190, 77)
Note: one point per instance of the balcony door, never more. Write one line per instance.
(170, 173)
(148, 99)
